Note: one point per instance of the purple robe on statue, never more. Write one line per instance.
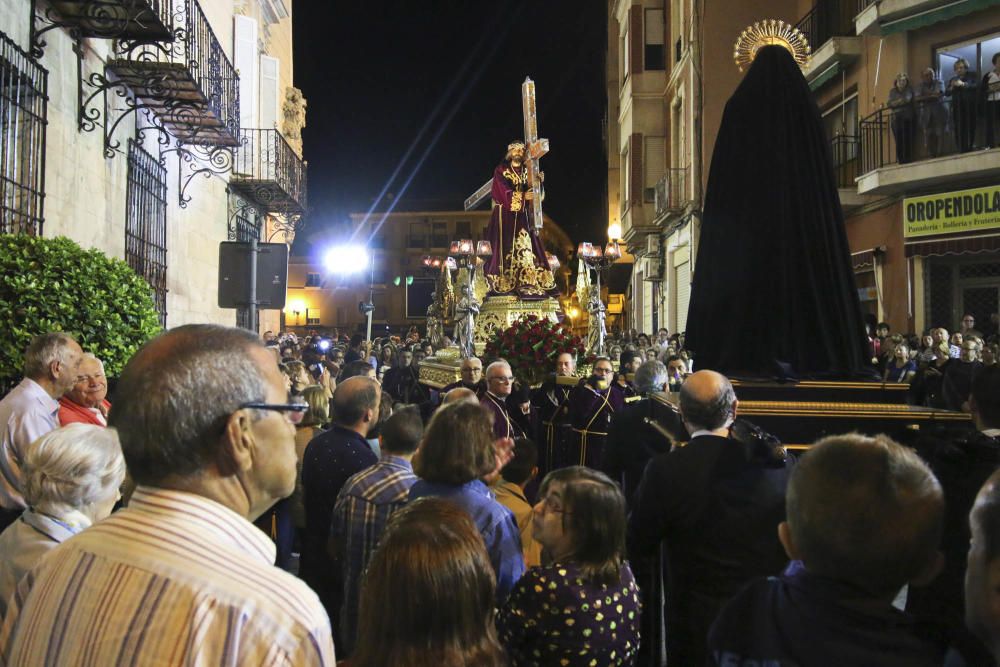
(518, 266)
(590, 412)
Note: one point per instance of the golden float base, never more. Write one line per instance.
(499, 312)
(442, 369)
(496, 314)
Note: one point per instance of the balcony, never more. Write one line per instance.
(830, 31)
(268, 172)
(920, 159)
(885, 17)
(138, 20)
(845, 152)
(189, 85)
(671, 194)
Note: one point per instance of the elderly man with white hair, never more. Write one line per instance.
(31, 410)
(86, 402)
(71, 480)
(499, 383)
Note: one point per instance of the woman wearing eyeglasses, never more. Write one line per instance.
(582, 608)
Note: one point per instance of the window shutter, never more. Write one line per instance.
(682, 287)
(269, 68)
(245, 57)
(635, 32)
(635, 169)
(655, 160)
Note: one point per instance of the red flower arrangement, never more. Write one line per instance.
(531, 344)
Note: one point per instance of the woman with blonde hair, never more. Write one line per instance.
(313, 423)
(72, 477)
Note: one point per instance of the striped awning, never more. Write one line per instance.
(936, 15)
(968, 245)
(824, 76)
(863, 259)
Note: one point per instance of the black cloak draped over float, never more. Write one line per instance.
(773, 279)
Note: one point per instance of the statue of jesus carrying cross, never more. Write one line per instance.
(518, 265)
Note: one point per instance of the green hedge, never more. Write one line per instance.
(52, 284)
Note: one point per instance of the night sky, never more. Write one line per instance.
(444, 77)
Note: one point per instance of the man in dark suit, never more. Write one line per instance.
(716, 504)
(551, 405)
(631, 441)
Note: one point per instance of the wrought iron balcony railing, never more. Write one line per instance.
(921, 131)
(143, 20)
(844, 152)
(267, 171)
(671, 191)
(827, 19)
(189, 84)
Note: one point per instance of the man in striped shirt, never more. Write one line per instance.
(364, 506)
(181, 576)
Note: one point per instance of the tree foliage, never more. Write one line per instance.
(52, 284)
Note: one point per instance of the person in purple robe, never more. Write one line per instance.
(507, 423)
(518, 266)
(592, 404)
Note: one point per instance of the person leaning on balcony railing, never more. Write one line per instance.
(962, 89)
(931, 110)
(991, 92)
(901, 103)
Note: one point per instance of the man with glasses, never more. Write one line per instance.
(208, 438)
(331, 458)
(472, 377)
(507, 423)
(592, 404)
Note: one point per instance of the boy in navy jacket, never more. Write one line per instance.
(864, 519)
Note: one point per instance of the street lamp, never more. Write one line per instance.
(467, 308)
(351, 258)
(598, 259)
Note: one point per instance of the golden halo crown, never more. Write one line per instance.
(515, 144)
(771, 32)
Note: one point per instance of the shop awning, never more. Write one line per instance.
(863, 259)
(825, 76)
(936, 15)
(961, 246)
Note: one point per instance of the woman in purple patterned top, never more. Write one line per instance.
(582, 608)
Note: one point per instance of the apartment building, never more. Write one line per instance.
(670, 72)
(152, 130)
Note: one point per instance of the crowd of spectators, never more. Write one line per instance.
(399, 524)
(938, 366)
(965, 107)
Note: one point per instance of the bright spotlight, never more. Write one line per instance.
(345, 259)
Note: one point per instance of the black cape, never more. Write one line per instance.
(774, 291)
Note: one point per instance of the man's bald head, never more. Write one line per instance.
(354, 398)
(460, 395)
(707, 401)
